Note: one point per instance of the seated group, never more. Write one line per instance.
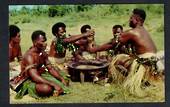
(132, 56)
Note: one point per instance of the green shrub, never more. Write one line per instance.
(59, 10)
(26, 20)
(16, 22)
(160, 28)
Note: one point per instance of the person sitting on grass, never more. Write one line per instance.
(117, 30)
(15, 54)
(82, 53)
(61, 42)
(135, 71)
(83, 44)
(38, 77)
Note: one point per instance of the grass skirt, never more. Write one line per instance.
(138, 76)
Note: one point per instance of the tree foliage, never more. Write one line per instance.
(61, 10)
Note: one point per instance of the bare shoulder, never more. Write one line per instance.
(28, 57)
(132, 32)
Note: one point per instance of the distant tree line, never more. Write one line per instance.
(61, 10)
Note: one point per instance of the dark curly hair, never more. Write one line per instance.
(84, 27)
(56, 27)
(37, 33)
(140, 12)
(13, 30)
(117, 26)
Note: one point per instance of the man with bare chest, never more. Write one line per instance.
(60, 43)
(38, 72)
(83, 44)
(14, 43)
(15, 54)
(137, 35)
(137, 71)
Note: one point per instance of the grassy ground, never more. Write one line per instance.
(88, 92)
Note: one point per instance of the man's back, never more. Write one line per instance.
(141, 40)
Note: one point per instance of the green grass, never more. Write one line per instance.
(88, 92)
(91, 93)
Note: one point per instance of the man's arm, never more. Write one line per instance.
(36, 77)
(33, 73)
(74, 38)
(81, 42)
(103, 47)
(53, 71)
(127, 36)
